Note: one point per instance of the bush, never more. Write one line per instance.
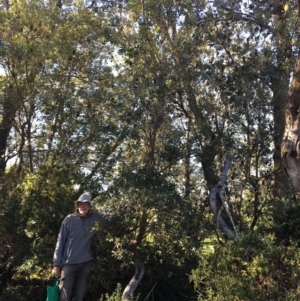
(252, 268)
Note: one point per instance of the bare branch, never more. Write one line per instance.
(218, 203)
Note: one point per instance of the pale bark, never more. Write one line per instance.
(136, 279)
(290, 147)
(218, 204)
(280, 80)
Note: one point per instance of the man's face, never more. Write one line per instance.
(83, 208)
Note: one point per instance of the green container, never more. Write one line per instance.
(53, 291)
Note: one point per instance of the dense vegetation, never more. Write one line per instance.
(140, 103)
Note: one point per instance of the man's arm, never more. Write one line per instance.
(59, 248)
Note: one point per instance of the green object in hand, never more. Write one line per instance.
(53, 291)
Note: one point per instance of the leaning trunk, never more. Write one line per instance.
(136, 279)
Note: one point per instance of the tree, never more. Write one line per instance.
(140, 102)
(289, 146)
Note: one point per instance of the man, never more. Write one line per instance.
(72, 255)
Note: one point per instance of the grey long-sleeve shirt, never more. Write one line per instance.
(75, 237)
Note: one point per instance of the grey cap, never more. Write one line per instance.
(85, 198)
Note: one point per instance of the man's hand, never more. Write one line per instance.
(56, 271)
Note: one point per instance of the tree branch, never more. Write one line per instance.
(218, 204)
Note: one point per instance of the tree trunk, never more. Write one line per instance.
(136, 279)
(9, 110)
(280, 80)
(290, 147)
(187, 160)
(279, 86)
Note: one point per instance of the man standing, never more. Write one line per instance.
(72, 255)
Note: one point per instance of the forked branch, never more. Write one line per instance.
(219, 205)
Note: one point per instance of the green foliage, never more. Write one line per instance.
(168, 244)
(252, 268)
(116, 295)
(138, 102)
(37, 205)
(29, 290)
(287, 223)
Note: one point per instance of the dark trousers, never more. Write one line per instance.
(74, 281)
